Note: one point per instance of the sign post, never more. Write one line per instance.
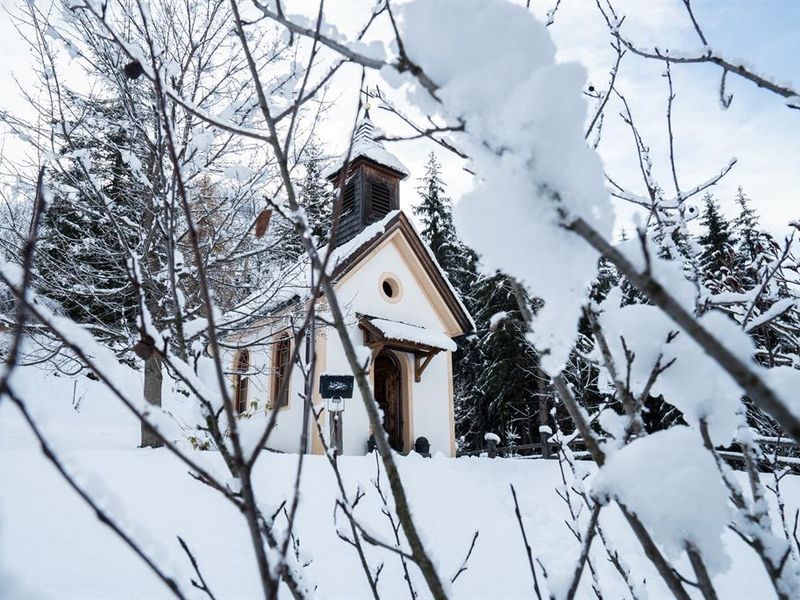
(334, 389)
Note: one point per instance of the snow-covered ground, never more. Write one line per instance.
(52, 545)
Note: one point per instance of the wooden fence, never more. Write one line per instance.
(732, 454)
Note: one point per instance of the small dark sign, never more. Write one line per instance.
(336, 386)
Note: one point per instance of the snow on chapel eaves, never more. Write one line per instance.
(406, 332)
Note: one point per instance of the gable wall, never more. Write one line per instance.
(420, 303)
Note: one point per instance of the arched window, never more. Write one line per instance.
(281, 371)
(241, 381)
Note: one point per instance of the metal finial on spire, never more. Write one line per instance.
(366, 102)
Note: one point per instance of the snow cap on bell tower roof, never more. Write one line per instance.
(366, 146)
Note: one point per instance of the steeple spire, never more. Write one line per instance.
(365, 133)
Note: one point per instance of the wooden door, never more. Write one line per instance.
(388, 394)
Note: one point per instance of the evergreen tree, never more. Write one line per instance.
(607, 277)
(459, 262)
(751, 241)
(317, 201)
(717, 255)
(437, 222)
(434, 210)
(92, 225)
(503, 393)
(288, 246)
(740, 257)
(315, 196)
(498, 385)
(717, 238)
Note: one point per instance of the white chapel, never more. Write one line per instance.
(399, 306)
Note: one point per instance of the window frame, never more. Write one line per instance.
(241, 383)
(280, 370)
(394, 283)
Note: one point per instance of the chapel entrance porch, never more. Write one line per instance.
(401, 354)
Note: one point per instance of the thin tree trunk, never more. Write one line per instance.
(153, 378)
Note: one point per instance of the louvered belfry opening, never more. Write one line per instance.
(349, 198)
(372, 187)
(380, 199)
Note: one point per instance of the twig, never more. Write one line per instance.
(528, 550)
(201, 584)
(650, 548)
(586, 546)
(356, 542)
(395, 526)
(464, 565)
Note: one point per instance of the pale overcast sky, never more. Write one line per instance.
(758, 129)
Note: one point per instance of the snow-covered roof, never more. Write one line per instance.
(341, 254)
(365, 145)
(290, 284)
(405, 332)
(297, 281)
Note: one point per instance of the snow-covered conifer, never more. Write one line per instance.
(315, 195)
(717, 256)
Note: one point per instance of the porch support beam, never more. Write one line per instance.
(421, 362)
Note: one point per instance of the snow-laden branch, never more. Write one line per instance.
(706, 54)
(402, 64)
(709, 55)
(746, 375)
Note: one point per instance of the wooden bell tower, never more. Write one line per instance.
(372, 187)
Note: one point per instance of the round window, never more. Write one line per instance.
(390, 288)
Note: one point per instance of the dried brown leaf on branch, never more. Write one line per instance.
(262, 222)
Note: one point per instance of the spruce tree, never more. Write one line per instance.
(460, 266)
(503, 396)
(437, 222)
(92, 225)
(317, 202)
(498, 384)
(458, 261)
(608, 276)
(717, 256)
(750, 240)
(315, 196)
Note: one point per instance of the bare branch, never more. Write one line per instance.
(201, 583)
(464, 565)
(528, 550)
